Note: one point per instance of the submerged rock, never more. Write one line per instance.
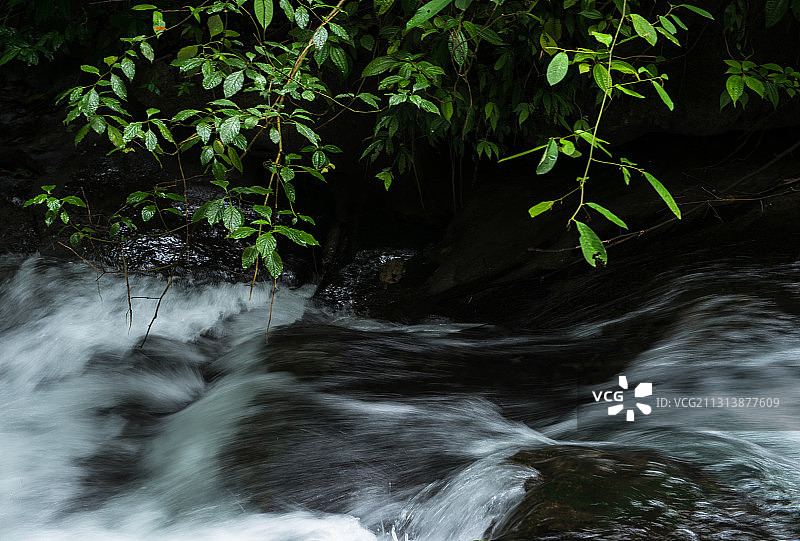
(582, 493)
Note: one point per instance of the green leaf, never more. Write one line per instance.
(664, 193)
(320, 37)
(426, 12)
(697, 10)
(204, 131)
(90, 69)
(233, 83)
(274, 135)
(264, 211)
(774, 10)
(266, 244)
(557, 68)
(378, 66)
(301, 17)
(288, 187)
(128, 68)
(118, 87)
(306, 132)
(148, 212)
(98, 124)
(735, 87)
(539, 208)
(215, 25)
(644, 28)
(147, 51)
(249, 256)
(150, 140)
(339, 31)
(549, 158)
(608, 214)
(591, 245)
(274, 264)
(242, 232)
(263, 12)
(229, 129)
(755, 85)
(232, 218)
(663, 95)
(135, 197)
(602, 77)
(235, 160)
(339, 58)
(605, 39)
(297, 236)
(667, 24)
(73, 200)
(141, 7)
(387, 177)
(626, 175)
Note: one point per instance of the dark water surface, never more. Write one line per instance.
(349, 429)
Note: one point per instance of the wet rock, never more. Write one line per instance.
(615, 495)
(378, 283)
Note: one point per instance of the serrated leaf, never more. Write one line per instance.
(263, 12)
(242, 232)
(297, 236)
(339, 31)
(265, 244)
(233, 83)
(274, 264)
(229, 129)
(264, 211)
(150, 140)
(592, 247)
(608, 214)
(539, 208)
(664, 193)
(249, 256)
(735, 87)
(232, 218)
(644, 28)
(549, 158)
(557, 68)
(426, 11)
(663, 95)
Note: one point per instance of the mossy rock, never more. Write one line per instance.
(584, 493)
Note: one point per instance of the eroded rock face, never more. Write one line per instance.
(614, 495)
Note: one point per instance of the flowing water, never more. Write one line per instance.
(349, 429)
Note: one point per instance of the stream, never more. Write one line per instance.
(344, 428)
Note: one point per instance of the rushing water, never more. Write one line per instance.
(348, 429)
